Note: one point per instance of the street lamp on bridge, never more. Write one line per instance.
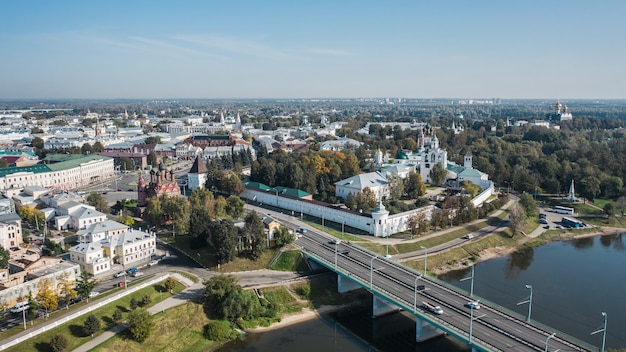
(472, 284)
(372, 270)
(425, 257)
(603, 331)
(548, 339)
(529, 301)
(415, 294)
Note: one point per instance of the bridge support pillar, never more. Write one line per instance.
(382, 306)
(313, 264)
(346, 285)
(424, 331)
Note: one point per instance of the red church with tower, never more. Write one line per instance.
(162, 182)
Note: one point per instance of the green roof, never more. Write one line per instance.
(297, 193)
(61, 157)
(36, 169)
(257, 185)
(76, 162)
(15, 152)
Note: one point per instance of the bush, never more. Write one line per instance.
(304, 291)
(117, 315)
(140, 324)
(145, 300)
(134, 303)
(92, 324)
(219, 330)
(58, 343)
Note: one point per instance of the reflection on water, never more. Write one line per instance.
(573, 283)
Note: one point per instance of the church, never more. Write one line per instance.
(162, 182)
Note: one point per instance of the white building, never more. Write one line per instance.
(108, 244)
(69, 174)
(375, 181)
(10, 231)
(197, 176)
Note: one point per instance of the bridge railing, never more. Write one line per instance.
(505, 310)
(404, 305)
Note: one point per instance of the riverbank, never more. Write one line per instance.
(296, 318)
(500, 251)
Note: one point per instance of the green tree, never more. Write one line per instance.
(153, 160)
(217, 288)
(97, 147)
(590, 187)
(283, 236)
(58, 343)
(438, 174)
(230, 183)
(117, 314)
(170, 284)
(366, 200)
(91, 325)
(176, 210)
(153, 140)
(414, 187)
(134, 303)
(85, 284)
(470, 188)
(4, 258)
(254, 232)
(219, 330)
(86, 148)
(37, 143)
(235, 207)
(126, 164)
(96, 200)
(517, 217)
(609, 209)
(528, 203)
(224, 240)
(413, 223)
(396, 187)
(140, 324)
(126, 220)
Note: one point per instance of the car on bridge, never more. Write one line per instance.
(473, 304)
(334, 241)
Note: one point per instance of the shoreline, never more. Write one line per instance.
(497, 252)
(304, 315)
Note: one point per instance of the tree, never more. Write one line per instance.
(283, 236)
(153, 160)
(47, 294)
(97, 147)
(140, 324)
(230, 183)
(126, 163)
(66, 288)
(413, 223)
(153, 140)
(91, 325)
(175, 210)
(170, 284)
(470, 188)
(126, 220)
(254, 232)
(84, 285)
(235, 207)
(438, 174)
(117, 314)
(590, 187)
(134, 303)
(37, 143)
(414, 187)
(396, 187)
(4, 258)
(219, 330)
(517, 217)
(96, 200)
(86, 148)
(609, 209)
(58, 343)
(224, 240)
(366, 199)
(217, 288)
(529, 205)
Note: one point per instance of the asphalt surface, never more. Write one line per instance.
(490, 328)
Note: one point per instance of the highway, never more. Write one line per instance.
(492, 329)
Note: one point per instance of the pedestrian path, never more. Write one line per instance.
(192, 291)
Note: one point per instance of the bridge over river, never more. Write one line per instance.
(394, 286)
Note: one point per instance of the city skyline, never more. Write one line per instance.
(322, 49)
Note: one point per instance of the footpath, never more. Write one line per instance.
(193, 290)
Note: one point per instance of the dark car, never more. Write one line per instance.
(421, 288)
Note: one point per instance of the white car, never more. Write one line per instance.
(137, 273)
(469, 236)
(93, 294)
(120, 274)
(153, 262)
(473, 304)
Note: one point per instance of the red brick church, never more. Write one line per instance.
(162, 182)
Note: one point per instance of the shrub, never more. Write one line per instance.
(117, 315)
(134, 303)
(92, 324)
(304, 291)
(145, 300)
(219, 330)
(140, 324)
(58, 343)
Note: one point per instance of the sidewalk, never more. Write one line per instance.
(192, 291)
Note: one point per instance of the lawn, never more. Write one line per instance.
(291, 261)
(72, 330)
(206, 256)
(323, 291)
(178, 329)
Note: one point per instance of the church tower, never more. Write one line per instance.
(197, 176)
(467, 160)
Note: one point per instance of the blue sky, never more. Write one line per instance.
(312, 49)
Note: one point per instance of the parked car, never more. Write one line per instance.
(93, 294)
(138, 273)
(153, 262)
(131, 270)
(120, 274)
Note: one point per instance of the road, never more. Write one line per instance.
(490, 327)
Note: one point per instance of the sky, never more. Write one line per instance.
(157, 49)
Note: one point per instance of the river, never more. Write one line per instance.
(573, 282)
